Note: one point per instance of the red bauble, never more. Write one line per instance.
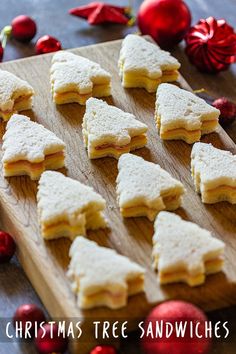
(174, 312)
(1, 52)
(23, 28)
(49, 341)
(167, 21)
(47, 44)
(211, 45)
(227, 111)
(29, 313)
(7, 247)
(103, 349)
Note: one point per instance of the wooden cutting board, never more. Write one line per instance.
(45, 263)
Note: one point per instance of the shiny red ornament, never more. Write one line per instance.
(167, 21)
(1, 52)
(29, 313)
(7, 247)
(47, 44)
(174, 312)
(103, 349)
(98, 13)
(49, 341)
(227, 111)
(211, 45)
(23, 28)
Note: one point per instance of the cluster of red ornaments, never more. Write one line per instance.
(23, 28)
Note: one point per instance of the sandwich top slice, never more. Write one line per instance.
(182, 115)
(101, 277)
(29, 148)
(183, 251)
(67, 208)
(144, 64)
(214, 173)
(144, 188)
(15, 94)
(75, 79)
(109, 131)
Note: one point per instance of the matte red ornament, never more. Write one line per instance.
(103, 349)
(1, 52)
(174, 312)
(7, 247)
(98, 13)
(47, 44)
(211, 45)
(227, 111)
(29, 313)
(50, 341)
(23, 28)
(167, 21)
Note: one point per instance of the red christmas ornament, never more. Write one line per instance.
(1, 52)
(211, 45)
(227, 110)
(49, 341)
(47, 44)
(103, 349)
(174, 312)
(29, 313)
(7, 247)
(23, 28)
(98, 12)
(167, 21)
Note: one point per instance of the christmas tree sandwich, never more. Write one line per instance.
(144, 64)
(15, 94)
(75, 79)
(108, 131)
(101, 277)
(183, 251)
(29, 148)
(214, 173)
(67, 208)
(182, 115)
(144, 188)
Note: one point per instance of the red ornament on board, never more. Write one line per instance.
(7, 247)
(23, 28)
(49, 341)
(227, 111)
(103, 349)
(98, 13)
(174, 312)
(211, 45)
(47, 44)
(29, 313)
(167, 21)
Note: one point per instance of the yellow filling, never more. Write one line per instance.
(21, 103)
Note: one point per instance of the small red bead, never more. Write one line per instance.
(103, 349)
(7, 247)
(46, 343)
(227, 110)
(29, 313)
(47, 44)
(1, 52)
(23, 28)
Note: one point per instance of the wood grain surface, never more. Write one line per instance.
(45, 263)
